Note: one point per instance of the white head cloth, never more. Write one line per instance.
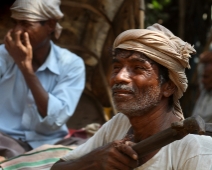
(38, 10)
(160, 45)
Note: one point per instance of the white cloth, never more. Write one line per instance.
(38, 10)
(191, 153)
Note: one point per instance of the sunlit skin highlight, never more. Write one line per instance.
(135, 85)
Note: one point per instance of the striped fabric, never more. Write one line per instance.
(41, 158)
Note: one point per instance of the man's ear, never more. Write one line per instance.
(51, 25)
(168, 88)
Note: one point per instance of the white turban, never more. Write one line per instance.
(160, 45)
(38, 10)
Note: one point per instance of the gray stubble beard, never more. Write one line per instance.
(141, 103)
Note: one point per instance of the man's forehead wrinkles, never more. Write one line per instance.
(133, 59)
(118, 60)
(134, 55)
(138, 59)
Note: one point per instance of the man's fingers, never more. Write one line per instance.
(129, 143)
(120, 166)
(128, 151)
(125, 160)
(26, 40)
(9, 34)
(8, 38)
(8, 41)
(17, 37)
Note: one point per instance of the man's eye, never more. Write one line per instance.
(26, 24)
(116, 67)
(14, 21)
(139, 68)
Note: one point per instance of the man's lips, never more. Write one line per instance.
(122, 92)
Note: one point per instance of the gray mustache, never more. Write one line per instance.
(122, 87)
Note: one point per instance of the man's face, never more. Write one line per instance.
(135, 84)
(38, 33)
(207, 75)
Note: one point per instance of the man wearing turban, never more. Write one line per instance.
(40, 83)
(147, 80)
(203, 106)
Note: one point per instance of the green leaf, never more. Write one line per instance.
(157, 5)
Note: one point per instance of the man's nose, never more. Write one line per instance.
(123, 76)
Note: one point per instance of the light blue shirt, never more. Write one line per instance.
(62, 75)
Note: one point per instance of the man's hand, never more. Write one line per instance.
(117, 155)
(20, 49)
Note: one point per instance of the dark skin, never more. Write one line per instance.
(140, 74)
(207, 77)
(206, 60)
(29, 44)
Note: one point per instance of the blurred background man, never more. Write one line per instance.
(40, 83)
(203, 106)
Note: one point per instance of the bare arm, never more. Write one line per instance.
(77, 164)
(40, 95)
(109, 156)
(22, 55)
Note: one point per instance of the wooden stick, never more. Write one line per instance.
(178, 130)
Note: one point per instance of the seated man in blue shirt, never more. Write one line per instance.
(40, 83)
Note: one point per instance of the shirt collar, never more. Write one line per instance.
(51, 61)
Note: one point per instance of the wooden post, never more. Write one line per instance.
(142, 13)
(181, 26)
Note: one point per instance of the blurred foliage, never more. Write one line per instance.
(154, 11)
(158, 5)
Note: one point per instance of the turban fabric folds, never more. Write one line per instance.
(163, 47)
(38, 10)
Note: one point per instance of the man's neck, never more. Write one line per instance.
(40, 55)
(148, 124)
(151, 123)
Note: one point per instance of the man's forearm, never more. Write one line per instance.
(39, 93)
(89, 161)
(22, 56)
(74, 165)
(105, 157)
